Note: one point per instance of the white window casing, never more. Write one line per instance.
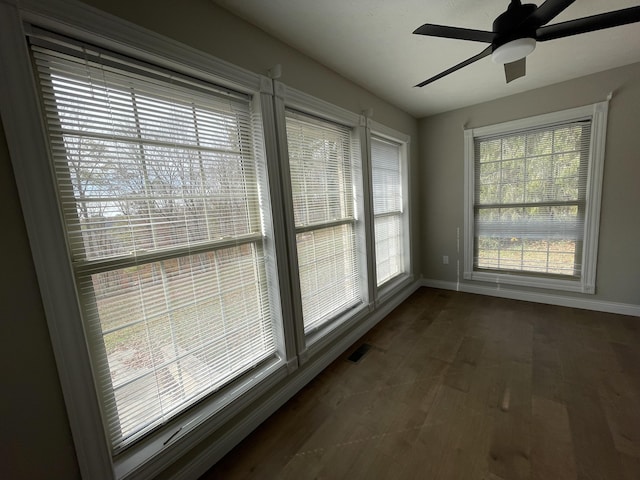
(532, 200)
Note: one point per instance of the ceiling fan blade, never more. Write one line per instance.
(547, 12)
(589, 24)
(455, 32)
(482, 54)
(515, 69)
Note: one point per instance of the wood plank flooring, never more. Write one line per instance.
(460, 386)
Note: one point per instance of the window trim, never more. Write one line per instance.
(286, 97)
(30, 158)
(586, 284)
(387, 288)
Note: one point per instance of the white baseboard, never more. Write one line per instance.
(260, 412)
(551, 299)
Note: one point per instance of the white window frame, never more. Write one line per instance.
(289, 98)
(22, 121)
(597, 113)
(404, 141)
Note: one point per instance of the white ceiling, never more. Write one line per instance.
(370, 42)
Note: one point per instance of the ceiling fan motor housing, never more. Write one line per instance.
(511, 25)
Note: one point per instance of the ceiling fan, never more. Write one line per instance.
(516, 31)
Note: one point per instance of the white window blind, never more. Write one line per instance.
(158, 179)
(529, 200)
(320, 157)
(387, 208)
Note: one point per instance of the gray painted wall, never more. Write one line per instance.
(442, 166)
(35, 438)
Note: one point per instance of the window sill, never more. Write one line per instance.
(392, 287)
(149, 457)
(530, 281)
(331, 331)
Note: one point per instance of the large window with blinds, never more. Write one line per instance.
(161, 187)
(388, 207)
(529, 203)
(204, 236)
(322, 164)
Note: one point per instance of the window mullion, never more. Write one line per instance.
(97, 266)
(391, 213)
(320, 226)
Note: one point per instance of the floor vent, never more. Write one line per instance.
(360, 352)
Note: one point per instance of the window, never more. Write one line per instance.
(321, 164)
(160, 186)
(533, 200)
(388, 208)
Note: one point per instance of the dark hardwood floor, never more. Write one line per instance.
(460, 386)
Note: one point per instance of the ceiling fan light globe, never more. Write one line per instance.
(513, 50)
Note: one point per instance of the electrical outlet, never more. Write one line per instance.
(445, 259)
